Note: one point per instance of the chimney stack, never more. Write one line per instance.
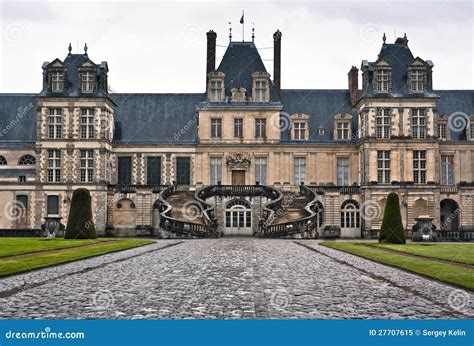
(353, 77)
(277, 61)
(211, 53)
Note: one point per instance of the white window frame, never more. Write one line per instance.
(418, 123)
(215, 165)
(383, 79)
(87, 123)
(86, 165)
(442, 131)
(343, 171)
(216, 128)
(215, 90)
(238, 127)
(383, 123)
(343, 130)
(261, 170)
(55, 123)
(260, 128)
(260, 91)
(299, 130)
(54, 165)
(417, 79)
(57, 81)
(383, 166)
(447, 169)
(419, 166)
(299, 170)
(87, 81)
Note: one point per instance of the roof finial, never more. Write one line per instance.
(85, 48)
(384, 38)
(69, 48)
(253, 32)
(230, 32)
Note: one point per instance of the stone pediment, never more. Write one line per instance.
(239, 160)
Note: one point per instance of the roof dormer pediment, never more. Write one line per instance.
(56, 63)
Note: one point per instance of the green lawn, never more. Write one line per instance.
(451, 274)
(69, 252)
(18, 246)
(462, 253)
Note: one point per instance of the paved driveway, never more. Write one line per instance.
(228, 278)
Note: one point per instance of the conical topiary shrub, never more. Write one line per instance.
(80, 224)
(392, 228)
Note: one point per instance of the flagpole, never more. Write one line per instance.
(243, 26)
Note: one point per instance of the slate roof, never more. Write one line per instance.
(320, 106)
(156, 118)
(17, 118)
(240, 61)
(400, 58)
(454, 101)
(72, 62)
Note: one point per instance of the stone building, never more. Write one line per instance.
(240, 151)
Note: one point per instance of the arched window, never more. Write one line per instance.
(3, 160)
(238, 214)
(27, 160)
(350, 215)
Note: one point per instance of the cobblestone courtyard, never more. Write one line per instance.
(226, 278)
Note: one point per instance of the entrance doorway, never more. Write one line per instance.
(350, 219)
(238, 218)
(449, 215)
(238, 177)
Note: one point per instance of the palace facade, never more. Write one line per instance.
(245, 155)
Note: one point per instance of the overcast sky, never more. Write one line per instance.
(161, 46)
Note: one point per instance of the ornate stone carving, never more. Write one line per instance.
(238, 160)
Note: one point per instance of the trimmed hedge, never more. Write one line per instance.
(80, 224)
(392, 228)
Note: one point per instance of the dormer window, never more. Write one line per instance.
(215, 87)
(299, 127)
(417, 78)
(87, 81)
(343, 127)
(261, 87)
(383, 77)
(57, 81)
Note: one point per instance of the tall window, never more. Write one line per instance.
(299, 129)
(447, 169)
(57, 81)
(216, 170)
(342, 130)
(417, 79)
(87, 123)
(86, 166)
(54, 165)
(153, 170)
(342, 171)
(418, 123)
(260, 91)
(299, 170)
(261, 170)
(216, 91)
(383, 166)
(216, 128)
(87, 81)
(238, 128)
(382, 123)
(419, 166)
(472, 132)
(260, 128)
(124, 170)
(52, 205)
(183, 170)
(383, 79)
(55, 123)
(442, 131)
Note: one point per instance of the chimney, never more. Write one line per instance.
(353, 77)
(211, 53)
(277, 61)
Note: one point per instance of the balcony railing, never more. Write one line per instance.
(133, 188)
(343, 190)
